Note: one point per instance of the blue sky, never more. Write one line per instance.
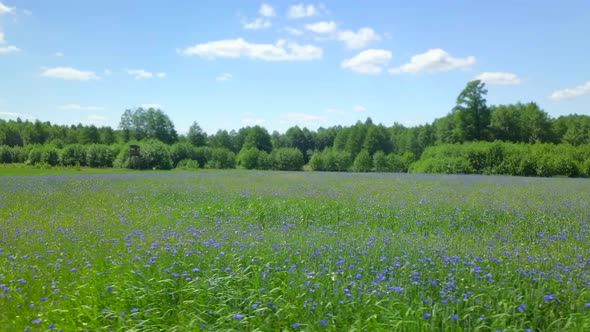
(229, 64)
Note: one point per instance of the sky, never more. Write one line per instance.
(230, 64)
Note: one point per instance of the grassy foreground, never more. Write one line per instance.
(273, 251)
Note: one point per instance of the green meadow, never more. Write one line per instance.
(292, 251)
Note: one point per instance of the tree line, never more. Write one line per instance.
(364, 146)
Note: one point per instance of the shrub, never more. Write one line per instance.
(99, 155)
(380, 162)
(188, 164)
(74, 154)
(363, 162)
(153, 154)
(287, 159)
(248, 158)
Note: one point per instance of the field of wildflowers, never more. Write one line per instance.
(302, 251)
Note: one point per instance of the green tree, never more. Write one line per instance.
(196, 136)
(471, 114)
(363, 162)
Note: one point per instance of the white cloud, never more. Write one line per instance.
(14, 116)
(225, 77)
(257, 24)
(141, 74)
(293, 31)
(332, 111)
(571, 93)
(235, 48)
(8, 49)
(154, 106)
(68, 73)
(301, 11)
(360, 108)
(370, 61)
(433, 60)
(266, 10)
(5, 9)
(304, 117)
(253, 121)
(94, 119)
(78, 107)
(323, 27)
(359, 39)
(499, 78)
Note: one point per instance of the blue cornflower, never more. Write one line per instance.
(454, 317)
(296, 325)
(426, 316)
(134, 310)
(238, 316)
(522, 307)
(323, 322)
(37, 321)
(549, 297)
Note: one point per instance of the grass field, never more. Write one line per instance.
(274, 251)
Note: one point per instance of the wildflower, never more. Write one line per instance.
(454, 317)
(522, 307)
(238, 316)
(296, 325)
(323, 322)
(426, 316)
(134, 310)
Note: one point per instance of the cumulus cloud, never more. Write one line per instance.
(6, 49)
(78, 107)
(154, 106)
(360, 108)
(359, 39)
(323, 27)
(499, 78)
(293, 31)
(236, 48)
(94, 119)
(253, 121)
(256, 24)
(370, 61)
(225, 77)
(304, 117)
(433, 60)
(266, 10)
(140, 74)
(302, 11)
(69, 73)
(4, 9)
(14, 116)
(571, 93)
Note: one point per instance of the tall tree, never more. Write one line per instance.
(196, 136)
(472, 116)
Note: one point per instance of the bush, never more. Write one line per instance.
(99, 155)
(181, 151)
(264, 161)
(248, 158)
(380, 162)
(221, 158)
(363, 162)
(330, 160)
(153, 154)
(188, 164)
(74, 154)
(287, 159)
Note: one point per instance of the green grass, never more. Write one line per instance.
(273, 251)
